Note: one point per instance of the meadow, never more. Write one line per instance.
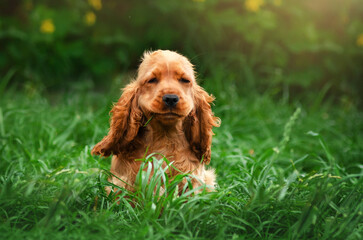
(286, 170)
(287, 77)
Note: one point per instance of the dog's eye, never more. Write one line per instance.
(183, 80)
(153, 80)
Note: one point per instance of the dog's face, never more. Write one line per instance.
(166, 81)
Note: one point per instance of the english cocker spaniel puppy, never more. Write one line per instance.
(180, 128)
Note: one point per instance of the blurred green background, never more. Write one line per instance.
(297, 48)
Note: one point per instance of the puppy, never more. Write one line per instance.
(166, 111)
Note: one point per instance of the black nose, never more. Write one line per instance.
(170, 100)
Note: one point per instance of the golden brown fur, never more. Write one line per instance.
(182, 133)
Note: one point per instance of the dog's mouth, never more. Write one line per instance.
(168, 115)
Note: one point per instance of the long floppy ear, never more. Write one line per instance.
(124, 125)
(198, 125)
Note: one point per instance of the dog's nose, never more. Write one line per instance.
(170, 100)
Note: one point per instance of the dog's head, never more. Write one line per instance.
(165, 91)
(166, 82)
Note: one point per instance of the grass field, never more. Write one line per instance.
(286, 170)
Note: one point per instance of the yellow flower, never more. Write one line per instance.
(90, 18)
(47, 26)
(96, 4)
(253, 5)
(360, 40)
(277, 2)
(251, 151)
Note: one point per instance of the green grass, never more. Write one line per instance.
(285, 171)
